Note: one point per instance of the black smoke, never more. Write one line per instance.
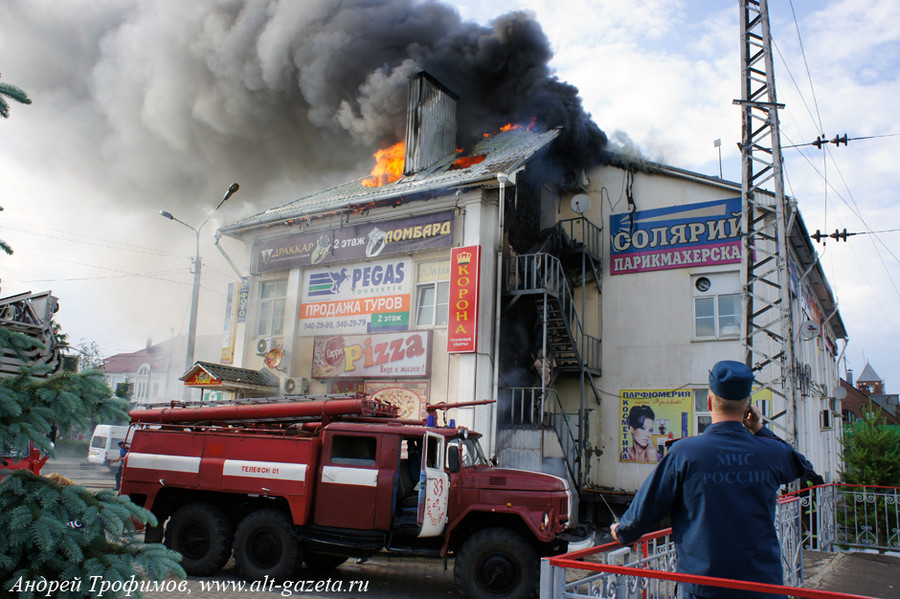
(164, 98)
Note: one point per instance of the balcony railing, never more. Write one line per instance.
(824, 518)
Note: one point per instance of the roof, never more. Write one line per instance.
(868, 375)
(231, 376)
(157, 356)
(503, 152)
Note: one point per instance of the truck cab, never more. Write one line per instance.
(25, 458)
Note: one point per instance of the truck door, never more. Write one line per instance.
(348, 481)
(433, 510)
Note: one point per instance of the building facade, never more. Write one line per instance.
(568, 297)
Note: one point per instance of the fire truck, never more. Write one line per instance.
(30, 458)
(281, 483)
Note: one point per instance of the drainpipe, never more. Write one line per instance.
(222, 250)
(503, 179)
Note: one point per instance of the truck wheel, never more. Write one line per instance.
(202, 534)
(496, 562)
(322, 562)
(265, 544)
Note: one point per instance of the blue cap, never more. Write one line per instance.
(731, 380)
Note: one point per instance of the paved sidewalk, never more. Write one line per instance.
(867, 574)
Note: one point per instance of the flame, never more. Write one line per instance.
(466, 162)
(388, 165)
(512, 127)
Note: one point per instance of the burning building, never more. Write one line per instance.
(525, 266)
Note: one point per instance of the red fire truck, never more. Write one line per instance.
(282, 483)
(29, 458)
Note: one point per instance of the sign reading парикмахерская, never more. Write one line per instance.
(676, 237)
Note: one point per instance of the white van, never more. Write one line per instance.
(105, 443)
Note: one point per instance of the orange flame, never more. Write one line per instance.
(388, 165)
(466, 162)
(512, 126)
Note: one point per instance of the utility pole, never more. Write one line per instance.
(766, 315)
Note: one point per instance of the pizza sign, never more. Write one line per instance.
(384, 355)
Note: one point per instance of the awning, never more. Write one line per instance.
(207, 375)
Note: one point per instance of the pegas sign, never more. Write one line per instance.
(357, 298)
(702, 234)
(354, 242)
(462, 326)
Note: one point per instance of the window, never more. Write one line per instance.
(433, 452)
(271, 307)
(142, 384)
(353, 450)
(432, 293)
(702, 417)
(717, 306)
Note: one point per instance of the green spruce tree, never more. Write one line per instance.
(871, 451)
(12, 92)
(53, 532)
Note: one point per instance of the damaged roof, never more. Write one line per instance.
(503, 152)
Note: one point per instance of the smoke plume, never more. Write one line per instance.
(179, 99)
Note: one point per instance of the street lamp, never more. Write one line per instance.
(195, 293)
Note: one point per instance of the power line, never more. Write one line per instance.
(837, 140)
(77, 238)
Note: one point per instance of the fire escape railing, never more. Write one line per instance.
(540, 406)
(567, 346)
(543, 274)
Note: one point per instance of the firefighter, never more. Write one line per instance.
(720, 490)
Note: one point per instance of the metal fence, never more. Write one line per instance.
(839, 517)
(830, 517)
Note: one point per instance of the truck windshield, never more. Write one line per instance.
(8, 450)
(470, 452)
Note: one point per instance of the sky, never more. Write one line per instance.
(156, 105)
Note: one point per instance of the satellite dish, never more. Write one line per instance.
(581, 202)
(840, 393)
(810, 329)
(274, 357)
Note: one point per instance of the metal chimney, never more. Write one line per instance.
(430, 123)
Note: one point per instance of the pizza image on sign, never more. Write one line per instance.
(407, 402)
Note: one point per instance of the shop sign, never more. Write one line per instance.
(202, 378)
(354, 242)
(462, 327)
(649, 418)
(392, 355)
(230, 335)
(368, 297)
(243, 298)
(704, 234)
(410, 397)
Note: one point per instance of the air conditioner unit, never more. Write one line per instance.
(265, 345)
(296, 386)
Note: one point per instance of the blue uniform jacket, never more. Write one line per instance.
(720, 489)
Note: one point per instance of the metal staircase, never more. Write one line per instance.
(568, 259)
